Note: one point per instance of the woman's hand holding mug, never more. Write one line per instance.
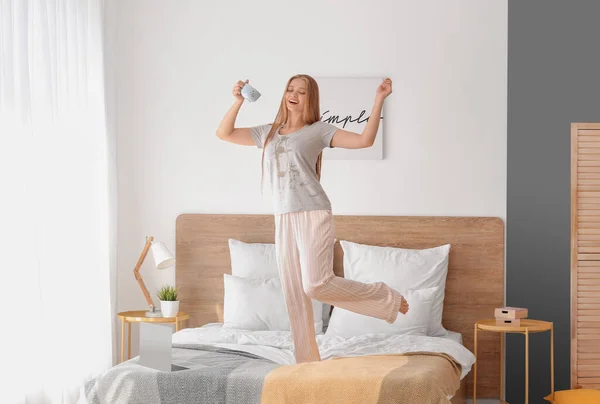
(243, 90)
(237, 90)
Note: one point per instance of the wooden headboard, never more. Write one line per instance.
(474, 287)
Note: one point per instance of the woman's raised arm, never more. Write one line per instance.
(227, 130)
(351, 140)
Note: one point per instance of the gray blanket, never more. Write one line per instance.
(214, 376)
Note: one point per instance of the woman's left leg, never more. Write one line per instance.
(299, 306)
(315, 236)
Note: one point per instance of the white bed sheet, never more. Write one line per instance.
(277, 345)
(454, 336)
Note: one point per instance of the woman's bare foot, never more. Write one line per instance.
(403, 306)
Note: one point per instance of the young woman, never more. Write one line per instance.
(304, 231)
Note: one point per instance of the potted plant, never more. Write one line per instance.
(169, 305)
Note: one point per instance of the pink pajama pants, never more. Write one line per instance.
(304, 244)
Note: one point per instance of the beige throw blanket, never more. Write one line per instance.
(420, 377)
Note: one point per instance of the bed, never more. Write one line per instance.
(229, 369)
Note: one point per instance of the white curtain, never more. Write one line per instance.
(56, 200)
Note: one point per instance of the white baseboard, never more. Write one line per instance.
(483, 401)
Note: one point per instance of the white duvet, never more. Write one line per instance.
(277, 346)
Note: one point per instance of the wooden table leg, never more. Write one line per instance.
(502, 367)
(552, 360)
(128, 340)
(122, 339)
(475, 369)
(526, 366)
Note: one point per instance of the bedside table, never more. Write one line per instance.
(140, 317)
(526, 327)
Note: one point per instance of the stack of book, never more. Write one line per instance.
(510, 315)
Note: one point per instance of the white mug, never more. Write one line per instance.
(250, 93)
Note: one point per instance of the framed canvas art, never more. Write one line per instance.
(347, 103)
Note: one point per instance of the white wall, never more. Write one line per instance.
(445, 123)
(110, 49)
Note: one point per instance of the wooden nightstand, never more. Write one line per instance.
(526, 327)
(140, 317)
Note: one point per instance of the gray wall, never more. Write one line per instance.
(553, 80)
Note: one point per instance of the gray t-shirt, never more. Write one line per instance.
(290, 162)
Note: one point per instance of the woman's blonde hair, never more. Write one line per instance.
(310, 114)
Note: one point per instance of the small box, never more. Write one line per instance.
(510, 312)
(508, 321)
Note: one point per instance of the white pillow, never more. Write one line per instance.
(253, 260)
(259, 305)
(259, 261)
(415, 322)
(401, 269)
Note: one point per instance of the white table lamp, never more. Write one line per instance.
(162, 259)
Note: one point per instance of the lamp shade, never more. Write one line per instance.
(162, 256)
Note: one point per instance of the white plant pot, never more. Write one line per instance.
(169, 309)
